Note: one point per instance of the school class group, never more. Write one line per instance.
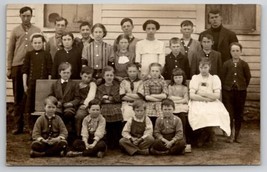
(131, 96)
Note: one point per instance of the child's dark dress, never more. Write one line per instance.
(37, 65)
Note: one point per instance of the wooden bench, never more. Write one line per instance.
(43, 88)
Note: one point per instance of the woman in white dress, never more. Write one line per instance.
(150, 50)
(206, 111)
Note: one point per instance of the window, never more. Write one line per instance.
(74, 13)
(238, 18)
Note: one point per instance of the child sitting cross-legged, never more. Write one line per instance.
(49, 133)
(93, 131)
(137, 132)
(168, 132)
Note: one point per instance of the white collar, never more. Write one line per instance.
(62, 81)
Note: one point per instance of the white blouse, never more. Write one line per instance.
(148, 52)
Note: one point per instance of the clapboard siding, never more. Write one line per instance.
(140, 21)
(150, 14)
(139, 29)
(252, 59)
(169, 16)
(149, 7)
(248, 37)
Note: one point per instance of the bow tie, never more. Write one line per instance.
(64, 82)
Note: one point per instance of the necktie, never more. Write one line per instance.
(132, 85)
(64, 84)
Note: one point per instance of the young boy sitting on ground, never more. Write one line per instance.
(168, 132)
(137, 132)
(93, 131)
(49, 132)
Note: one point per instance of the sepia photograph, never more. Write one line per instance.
(133, 84)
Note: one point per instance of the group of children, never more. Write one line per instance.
(109, 101)
(104, 115)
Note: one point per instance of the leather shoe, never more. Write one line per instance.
(35, 154)
(156, 152)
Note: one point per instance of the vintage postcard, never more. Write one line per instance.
(133, 84)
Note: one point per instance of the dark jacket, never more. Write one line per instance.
(70, 95)
(37, 65)
(171, 62)
(215, 59)
(72, 56)
(239, 75)
(226, 37)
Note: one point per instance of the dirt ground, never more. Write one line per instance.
(246, 153)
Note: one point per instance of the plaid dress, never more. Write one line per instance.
(112, 110)
(154, 86)
(134, 87)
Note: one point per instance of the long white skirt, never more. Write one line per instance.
(208, 114)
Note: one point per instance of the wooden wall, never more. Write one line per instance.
(169, 16)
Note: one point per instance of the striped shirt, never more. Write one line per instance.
(96, 55)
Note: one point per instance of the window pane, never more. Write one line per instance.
(50, 14)
(74, 13)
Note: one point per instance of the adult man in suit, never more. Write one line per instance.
(222, 37)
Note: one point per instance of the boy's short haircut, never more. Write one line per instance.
(167, 102)
(174, 40)
(94, 102)
(126, 20)
(206, 35)
(88, 70)
(51, 99)
(237, 44)
(37, 35)
(107, 69)
(61, 19)
(24, 9)
(138, 104)
(85, 24)
(187, 23)
(214, 11)
(64, 66)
